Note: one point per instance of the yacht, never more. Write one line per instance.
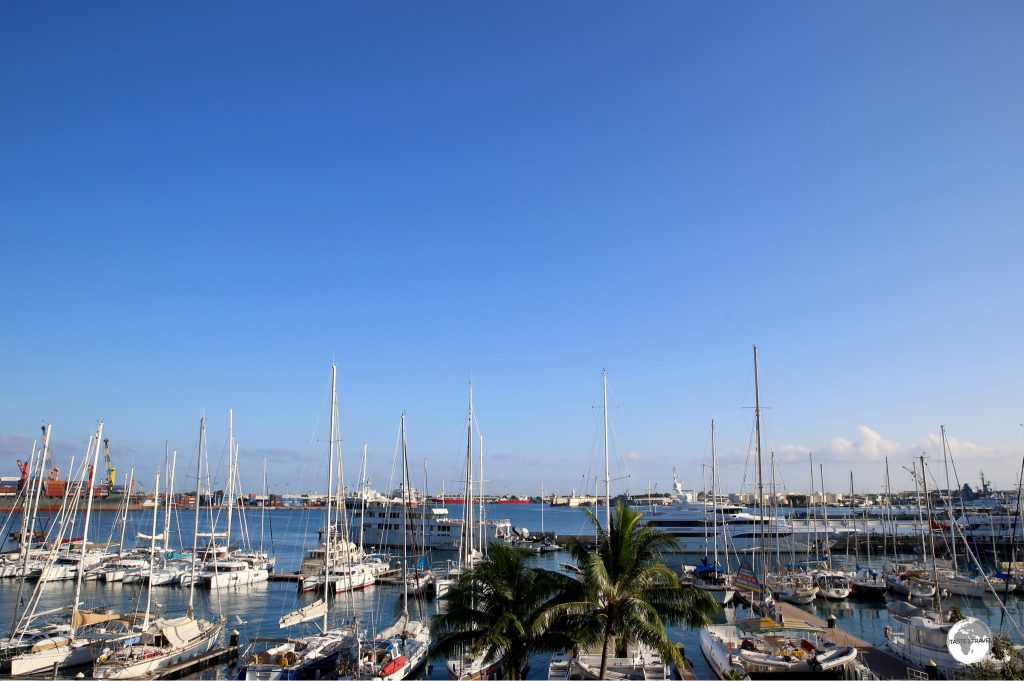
(694, 524)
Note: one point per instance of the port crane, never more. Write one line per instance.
(111, 471)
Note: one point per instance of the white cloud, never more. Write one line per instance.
(868, 446)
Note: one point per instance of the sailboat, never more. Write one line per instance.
(87, 632)
(768, 645)
(833, 585)
(165, 641)
(712, 578)
(397, 651)
(468, 554)
(227, 568)
(310, 656)
(920, 638)
(865, 582)
(468, 665)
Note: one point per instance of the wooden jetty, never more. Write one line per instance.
(196, 664)
(285, 577)
(884, 665)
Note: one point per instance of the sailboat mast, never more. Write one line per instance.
(824, 511)
(931, 535)
(195, 528)
(405, 523)
(949, 496)
(328, 546)
(607, 474)
(263, 504)
(170, 502)
(714, 493)
(760, 473)
(33, 512)
(152, 552)
(467, 543)
(231, 473)
(362, 495)
(85, 528)
(481, 512)
(124, 516)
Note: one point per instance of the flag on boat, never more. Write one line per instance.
(746, 580)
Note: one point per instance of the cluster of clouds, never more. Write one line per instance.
(866, 452)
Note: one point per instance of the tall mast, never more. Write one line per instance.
(824, 511)
(714, 493)
(85, 529)
(607, 475)
(328, 546)
(931, 536)
(33, 512)
(124, 517)
(853, 523)
(231, 473)
(362, 495)
(195, 527)
(405, 524)
(170, 502)
(949, 495)
(812, 508)
(482, 533)
(760, 473)
(263, 503)
(152, 551)
(467, 543)
(886, 515)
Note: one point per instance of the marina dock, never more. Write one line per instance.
(882, 664)
(196, 664)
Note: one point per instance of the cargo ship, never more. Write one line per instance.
(107, 496)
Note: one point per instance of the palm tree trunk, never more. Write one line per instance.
(604, 654)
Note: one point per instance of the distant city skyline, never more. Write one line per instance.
(205, 205)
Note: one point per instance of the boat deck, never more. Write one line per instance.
(882, 664)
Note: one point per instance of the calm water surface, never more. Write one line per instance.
(254, 611)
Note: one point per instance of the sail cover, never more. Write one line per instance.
(310, 612)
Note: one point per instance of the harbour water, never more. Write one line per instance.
(254, 611)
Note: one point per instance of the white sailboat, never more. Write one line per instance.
(166, 641)
(712, 578)
(87, 632)
(398, 651)
(309, 656)
(769, 645)
(230, 568)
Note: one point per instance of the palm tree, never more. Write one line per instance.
(494, 608)
(627, 593)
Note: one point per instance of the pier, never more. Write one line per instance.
(196, 664)
(884, 665)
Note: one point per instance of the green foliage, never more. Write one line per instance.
(955, 615)
(985, 670)
(1004, 651)
(1002, 645)
(627, 593)
(494, 608)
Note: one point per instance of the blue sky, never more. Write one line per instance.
(203, 205)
